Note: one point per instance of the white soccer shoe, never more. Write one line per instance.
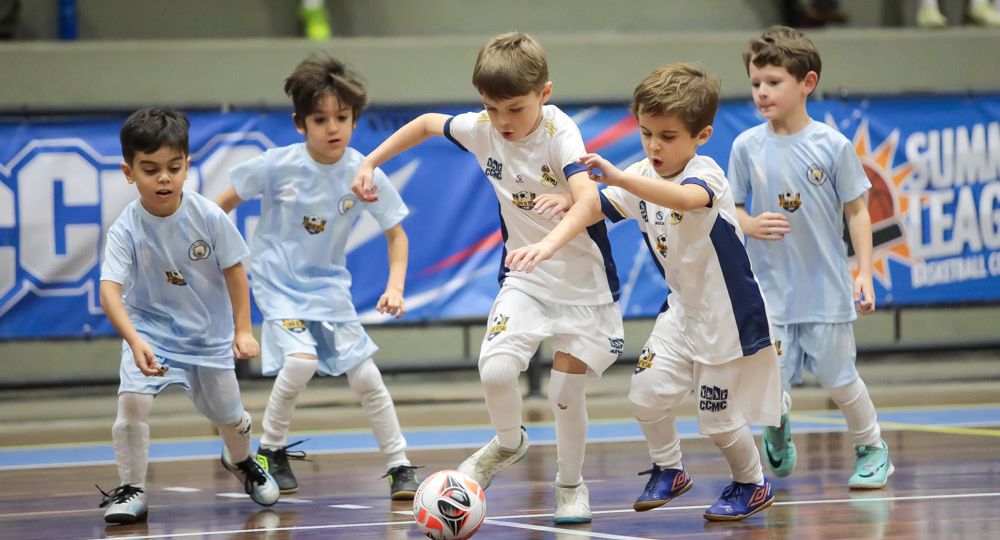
(258, 483)
(572, 504)
(126, 504)
(489, 460)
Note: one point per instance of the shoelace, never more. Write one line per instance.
(253, 474)
(732, 491)
(402, 473)
(118, 495)
(298, 455)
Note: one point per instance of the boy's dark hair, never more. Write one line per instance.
(150, 128)
(510, 65)
(784, 47)
(321, 75)
(683, 90)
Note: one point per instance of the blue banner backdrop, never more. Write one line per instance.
(934, 163)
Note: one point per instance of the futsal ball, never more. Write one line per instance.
(449, 506)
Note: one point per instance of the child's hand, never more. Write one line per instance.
(363, 185)
(145, 358)
(245, 346)
(864, 294)
(553, 205)
(768, 226)
(601, 170)
(391, 303)
(525, 259)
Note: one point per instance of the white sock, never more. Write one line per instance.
(312, 4)
(976, 3)
(661, 436)
(568, 399)
(366, 381)
(740, 451)
(499, 375)
(236, 437)
(130, 434)
(929, 3)
(786, 403)
(856, 405)
(290, 382)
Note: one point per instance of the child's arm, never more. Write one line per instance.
(859, 223)
(680, 197)
(763, 226)
(403, 139)
(244, 344)
(114, 308)
(391, 301)
(228, 200)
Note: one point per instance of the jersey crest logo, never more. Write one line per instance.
(777, 347)
(295, 326)
(175, 277)
(525, 200)
(816, 175)
(645, 360)
(675, 217)
(789, 201)
(314, 224)
(494, 169)
(548, 179)
(617, 347)
(661, 245)
(498, 326)
(659, 217)
(519, 179)
(346, 203)
(199, 250)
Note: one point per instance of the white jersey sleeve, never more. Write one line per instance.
(250, 177)
(118, 255)
(468, 130)
(389, 210)
(568, 149)
(851, 180)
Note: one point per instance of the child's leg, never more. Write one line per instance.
(567, 398)
(499, 374)
(366, 382)
(130, 434)
(856, 405)
(741, 453)
(216, 394)
(295, 374)
(659, 429)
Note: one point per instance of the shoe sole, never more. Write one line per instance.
(125, 519)
(288, 491)
(649, 505)
(875, 485)
(403, 495)
(571, 520)
(719, 517)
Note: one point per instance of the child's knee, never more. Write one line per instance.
(499, 371)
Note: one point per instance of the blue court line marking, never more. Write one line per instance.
(464, 437)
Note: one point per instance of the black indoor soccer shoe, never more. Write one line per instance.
(403, 482)
(275, 461)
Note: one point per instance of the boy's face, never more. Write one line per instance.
(517, 117)
(668, 143)
(159, 177)
(327, 129)
(776, 92)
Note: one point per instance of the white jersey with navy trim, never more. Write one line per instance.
(299, 266)
(714, 295)
(171, 271)
(806, 177)
(581, 273)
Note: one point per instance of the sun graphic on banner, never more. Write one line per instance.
(888, 203)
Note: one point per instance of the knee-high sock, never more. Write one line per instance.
(740, 451)
(661, 436)
(567, 397)
(503, 397)
(290, 382)
(130, 434)
(859, 412)
(236, 437)
(367, 383)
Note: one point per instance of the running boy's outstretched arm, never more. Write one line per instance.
(228, 200)
(403, 139)
(763, 226)
(391, 301)
(244, 344)
(859, 223)
(680, 197)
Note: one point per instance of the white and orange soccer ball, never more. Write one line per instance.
(449, 506)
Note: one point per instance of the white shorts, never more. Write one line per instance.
(519, 323)
(214, 391)
(825, 349)
(730, 395)
(338, 347)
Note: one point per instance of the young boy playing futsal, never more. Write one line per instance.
(300, 278)
(804, 180)
(174, 287)
(528, 150)
(712, 335)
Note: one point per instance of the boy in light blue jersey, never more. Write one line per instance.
(804, 181)
(173, 286)
(300, 277)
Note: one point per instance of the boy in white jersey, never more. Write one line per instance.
(712, 335)
(804, 180)
(300, 278)
(529, 150)
(173, 286)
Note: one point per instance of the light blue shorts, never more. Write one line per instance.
(338, 347)
(826, 350)
(214, 391)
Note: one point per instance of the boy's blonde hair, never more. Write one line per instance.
(321, 75)
(785, 47)
(510, 65)
(683, 90)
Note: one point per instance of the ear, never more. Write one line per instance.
(704, 135)
(127, 170)
(546, 92)
(811, 81)
(300, 125)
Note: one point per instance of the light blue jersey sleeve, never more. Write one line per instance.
(389, 210)
(118, 259)
(739, 173)
(851, 180)
(230, 247)
(250, 177)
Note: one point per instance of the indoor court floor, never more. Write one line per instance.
(947, 478)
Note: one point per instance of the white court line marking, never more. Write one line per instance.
(403, 512)
(349, 506)
(181, 489)
(562, 531)
(233, 495)
(528, 516)
(294, 500)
